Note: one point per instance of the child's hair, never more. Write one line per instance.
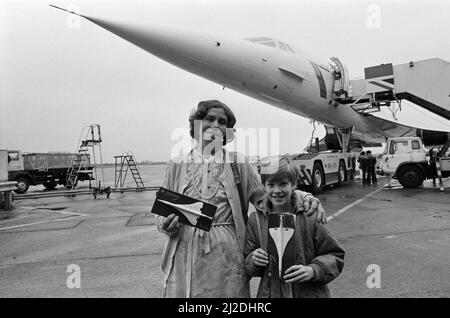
(277, 170)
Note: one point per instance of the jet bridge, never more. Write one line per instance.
(426, 83)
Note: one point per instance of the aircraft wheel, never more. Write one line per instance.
(318, 178)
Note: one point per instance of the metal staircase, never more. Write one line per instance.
(424, 83)
(122, 164)
(90, 138)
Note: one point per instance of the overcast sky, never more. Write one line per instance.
(56, 78)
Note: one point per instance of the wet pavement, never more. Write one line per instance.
(403, 233)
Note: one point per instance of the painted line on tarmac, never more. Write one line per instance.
(55, 211)
(71, 215)
(351, 205)
(35, 223)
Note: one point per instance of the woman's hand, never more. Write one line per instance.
(170, 224)
(299, 274)
(260, 257)
(313, 205)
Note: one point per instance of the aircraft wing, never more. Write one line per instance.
(393, 129)
(389, 128)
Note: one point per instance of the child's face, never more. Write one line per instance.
(279, 194)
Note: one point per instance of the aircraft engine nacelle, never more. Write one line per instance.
(332, 143)
(432, 138)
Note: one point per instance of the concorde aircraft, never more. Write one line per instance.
(287, 77)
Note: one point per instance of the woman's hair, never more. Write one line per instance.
(203, 108)
(278, 170)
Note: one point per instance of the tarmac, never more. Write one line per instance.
(397, 243)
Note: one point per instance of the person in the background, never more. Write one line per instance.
(352, 174)
(371, 162)
(202, 264)
(432, 153)
(363, 166)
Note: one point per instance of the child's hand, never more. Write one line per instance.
(260, 257)
(299, 274)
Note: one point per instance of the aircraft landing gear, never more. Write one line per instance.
(343, 137)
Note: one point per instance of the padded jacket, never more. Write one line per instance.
(315, 246)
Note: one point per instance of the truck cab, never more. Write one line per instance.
(405, 159)
(400, 151)
(16, 171)
(15, 160)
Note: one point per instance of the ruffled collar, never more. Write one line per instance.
(198, 157)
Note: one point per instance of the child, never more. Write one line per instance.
(317, 256)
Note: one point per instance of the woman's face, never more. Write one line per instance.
(214, 124)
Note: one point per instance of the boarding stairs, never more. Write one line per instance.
(425, 83)
(122, 164)
(90, 139)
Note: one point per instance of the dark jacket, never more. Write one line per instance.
(362, 162)
(371, 162)
(316, 247)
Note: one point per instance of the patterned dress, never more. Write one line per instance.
(208, 264)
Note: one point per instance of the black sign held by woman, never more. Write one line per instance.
(190, 211)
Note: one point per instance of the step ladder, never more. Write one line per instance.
(122, 164)
(90, 139)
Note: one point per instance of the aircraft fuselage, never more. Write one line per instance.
(268, 70)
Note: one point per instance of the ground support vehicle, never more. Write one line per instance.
(48, 169)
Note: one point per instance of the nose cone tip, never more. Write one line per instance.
(59, 8)
(71, 12)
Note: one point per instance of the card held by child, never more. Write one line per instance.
(190, 211)
(281, 242)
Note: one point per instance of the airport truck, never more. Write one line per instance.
(321, 169)
(48, 169)
(324, 163)
(406, 159)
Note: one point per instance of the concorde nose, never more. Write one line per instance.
(187, 49)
